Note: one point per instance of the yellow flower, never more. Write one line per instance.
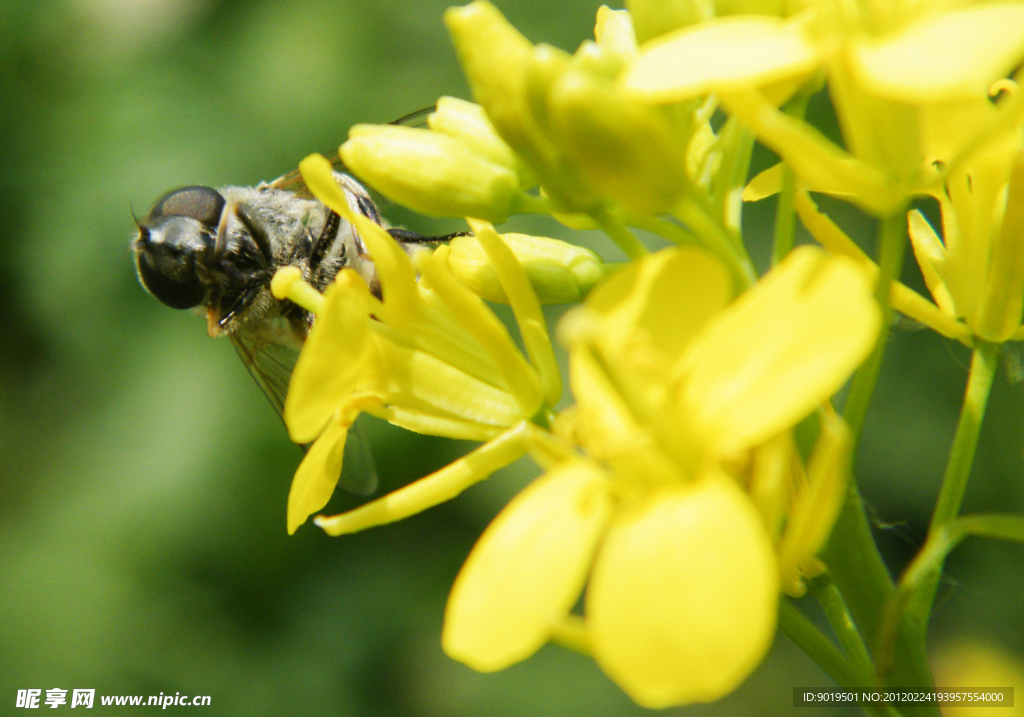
(685, 513)
(429, 356)
(910, 86)
(976, 271)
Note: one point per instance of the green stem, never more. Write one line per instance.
(929, 561)
(856, 565)
(620, 234)
(892, 244)
(961, 455)
(785, 217)
(911, 606)
(851, 554)
(743, 271)
(815, 645)
(820, 649)
(678, 235)
(717, 241)
(831, 601)
(727, 187)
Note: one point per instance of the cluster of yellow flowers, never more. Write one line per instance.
(675, 494)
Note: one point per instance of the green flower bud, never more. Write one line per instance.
(497, 60)
(591, 57)
(614, 33)
(432, 173)
(652, 18)
(626, 148)
(561, 273)
(546, 65)
(468, 123)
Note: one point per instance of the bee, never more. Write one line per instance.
(214, 251)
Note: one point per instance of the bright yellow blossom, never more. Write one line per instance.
(684, 515)
(428, 356)
(910, 86)
(976, 271)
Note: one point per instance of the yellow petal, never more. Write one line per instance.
(682, 601)
(317, 475)
(1002, 301)
(721, 55)
(518, 376)
(604, 425)
(527, 569)
(434, 424)
(785, 346)
(903, 298)
(667, 297)
(817, 505)
(421, 382)
(337, 359)
(525, 306)
(931, 257)
(393, 265)
(437, 487)
(769, 182)
(771, 480)
(815, 160)
(765, 184)
(955, 54)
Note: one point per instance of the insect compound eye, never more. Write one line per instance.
(168, 252)
(203, 204)
(167, 290)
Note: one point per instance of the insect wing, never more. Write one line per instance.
(270, 366)
(358, 471)
(292, 182)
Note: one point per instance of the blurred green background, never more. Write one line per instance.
(143, 477)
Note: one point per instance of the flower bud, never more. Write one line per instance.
(653, 18)
(546, 65)
(614, 33)
(495, 57)
(496, 60)
(431, 172)
(627, 149)
(657, 17)
(560, 273)
(468, 123)
(591, 57)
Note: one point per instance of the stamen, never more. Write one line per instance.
(288, 284)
